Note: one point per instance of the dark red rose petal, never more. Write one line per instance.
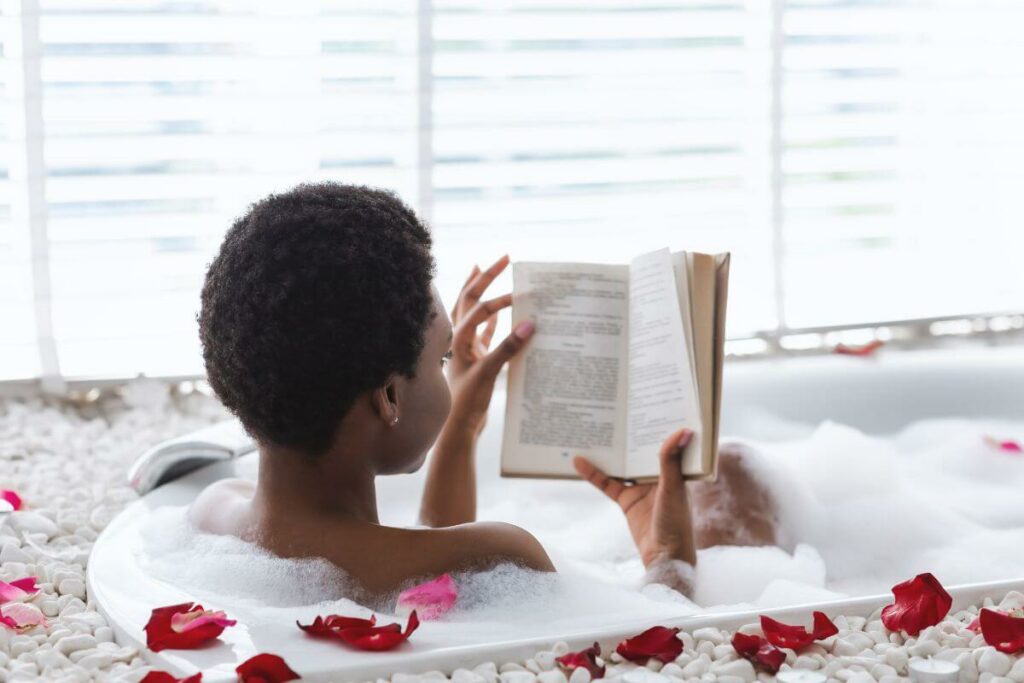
(584, 659)
(164, 677)
(265, 668)
(659, 642)
(1002, 631)
(758, 651)
(920, 602)
(797, 637)
(362, 634)
(160, 635)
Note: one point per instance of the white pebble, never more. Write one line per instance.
(697, 667)
(100, 660)
(924, 648)
(1016, 674)
(466, 676)
(518, 677)
(807, 662)
(32, 522)
(898, 659)
(994, 662)
(738, 667)
(579, 675)
(488, 671)
(710, 634)
(510, 666)
(552, 677)
(12, 553)
(21, 645)
(73, 586)
(730, 679)
(77, 642)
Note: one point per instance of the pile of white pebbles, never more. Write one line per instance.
(68, 462)
(863, 651)
(69, 465)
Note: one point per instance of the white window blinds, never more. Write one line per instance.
(902, 159)
(590, 131)
(163, 120)
(866, 151)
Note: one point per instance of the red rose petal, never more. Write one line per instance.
(164, 677)
(659, 642)
(265, 668)
(920, 602)
(362, 634)
(861, 350)
(797, 637)
(584, 659)
(1002, 631)
(11, 497)
(758, 651)
(161, 634)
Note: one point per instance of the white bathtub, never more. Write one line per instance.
(762, 400)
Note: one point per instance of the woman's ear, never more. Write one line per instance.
(385, 402)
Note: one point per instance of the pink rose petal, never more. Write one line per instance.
(18, 590)
(1005, 445)
(21, 616)
(186, 621)
(430, 600)
(11, 497)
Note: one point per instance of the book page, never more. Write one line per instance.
(567, 389)
(662, 396)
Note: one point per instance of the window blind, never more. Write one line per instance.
(163, 120)
(19, 358)
(595, 130)
(860, 158)
(901, 155)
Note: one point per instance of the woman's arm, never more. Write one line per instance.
(449, 497)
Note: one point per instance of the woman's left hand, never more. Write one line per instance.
(658, 513)
(473, 368)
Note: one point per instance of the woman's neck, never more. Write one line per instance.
(334, 484)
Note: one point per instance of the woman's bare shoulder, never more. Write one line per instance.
(467, 546)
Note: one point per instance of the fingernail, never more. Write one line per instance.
(523, 330)
(685, 438)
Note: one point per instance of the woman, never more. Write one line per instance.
(323, 333)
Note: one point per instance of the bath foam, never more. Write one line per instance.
(858, 514)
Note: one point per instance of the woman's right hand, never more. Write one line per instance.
(658, 513)
(474, 367)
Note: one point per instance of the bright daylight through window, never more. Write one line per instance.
(859, 158)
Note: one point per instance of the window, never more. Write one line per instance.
(858, 157)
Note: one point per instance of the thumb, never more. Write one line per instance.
(508, 348)
(671, 457)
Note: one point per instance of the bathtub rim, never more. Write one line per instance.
(236, 646)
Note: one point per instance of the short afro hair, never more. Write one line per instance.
(317, 295)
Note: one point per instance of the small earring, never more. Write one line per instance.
(395, 421)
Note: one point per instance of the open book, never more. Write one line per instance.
(622, 356)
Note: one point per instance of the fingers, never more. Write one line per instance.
(484, 310)
(671, 457)
(458, 300)
(488, 334)
(511, 345)
(483, 280)
(610, 487)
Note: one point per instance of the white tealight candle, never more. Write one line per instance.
(933, 671)
(800, 676)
